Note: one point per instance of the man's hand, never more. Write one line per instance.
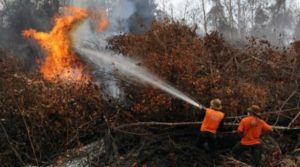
(202, 111)
(201, 107)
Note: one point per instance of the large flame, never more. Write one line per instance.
(61, 62)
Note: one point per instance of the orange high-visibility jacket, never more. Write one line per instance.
(211, 121)
(252, 127)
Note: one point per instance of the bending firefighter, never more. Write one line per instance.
(251, 128)
(212, 120)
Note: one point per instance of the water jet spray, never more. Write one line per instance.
(127, 67)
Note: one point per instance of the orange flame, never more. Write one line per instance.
(61, 62)
(100, 19)
(103, 24)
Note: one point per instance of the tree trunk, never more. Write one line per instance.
(164, 5)
(281, 4)
(204, 17)
(230, 17)
(239, 18)
(4, 3)
(252, 12)
(185, 9)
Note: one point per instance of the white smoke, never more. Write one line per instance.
(119, 13)
(124, 15)
(85, 35)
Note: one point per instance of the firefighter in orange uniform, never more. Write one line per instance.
(251, 128)
(213, 119)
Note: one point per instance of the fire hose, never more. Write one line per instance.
(190, 123)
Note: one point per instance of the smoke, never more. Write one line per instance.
(125, 16)
(274, 23)
(19, 15)
(273, 20)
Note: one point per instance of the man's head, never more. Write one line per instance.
(254, 110)
(216, 104)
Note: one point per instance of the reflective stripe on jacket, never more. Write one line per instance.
(211, 121)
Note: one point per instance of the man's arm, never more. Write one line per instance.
(221, 126)
(202, 112)
(241, 127)
(267, 127)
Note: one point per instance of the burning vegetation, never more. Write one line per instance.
(49, 114)
(61, 62)
(40, 119)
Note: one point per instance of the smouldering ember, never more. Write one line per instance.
(61, 62)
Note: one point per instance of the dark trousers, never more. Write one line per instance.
(210, 139)
(255, 151)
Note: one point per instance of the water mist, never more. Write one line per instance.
(128, 67)
(120, 19)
